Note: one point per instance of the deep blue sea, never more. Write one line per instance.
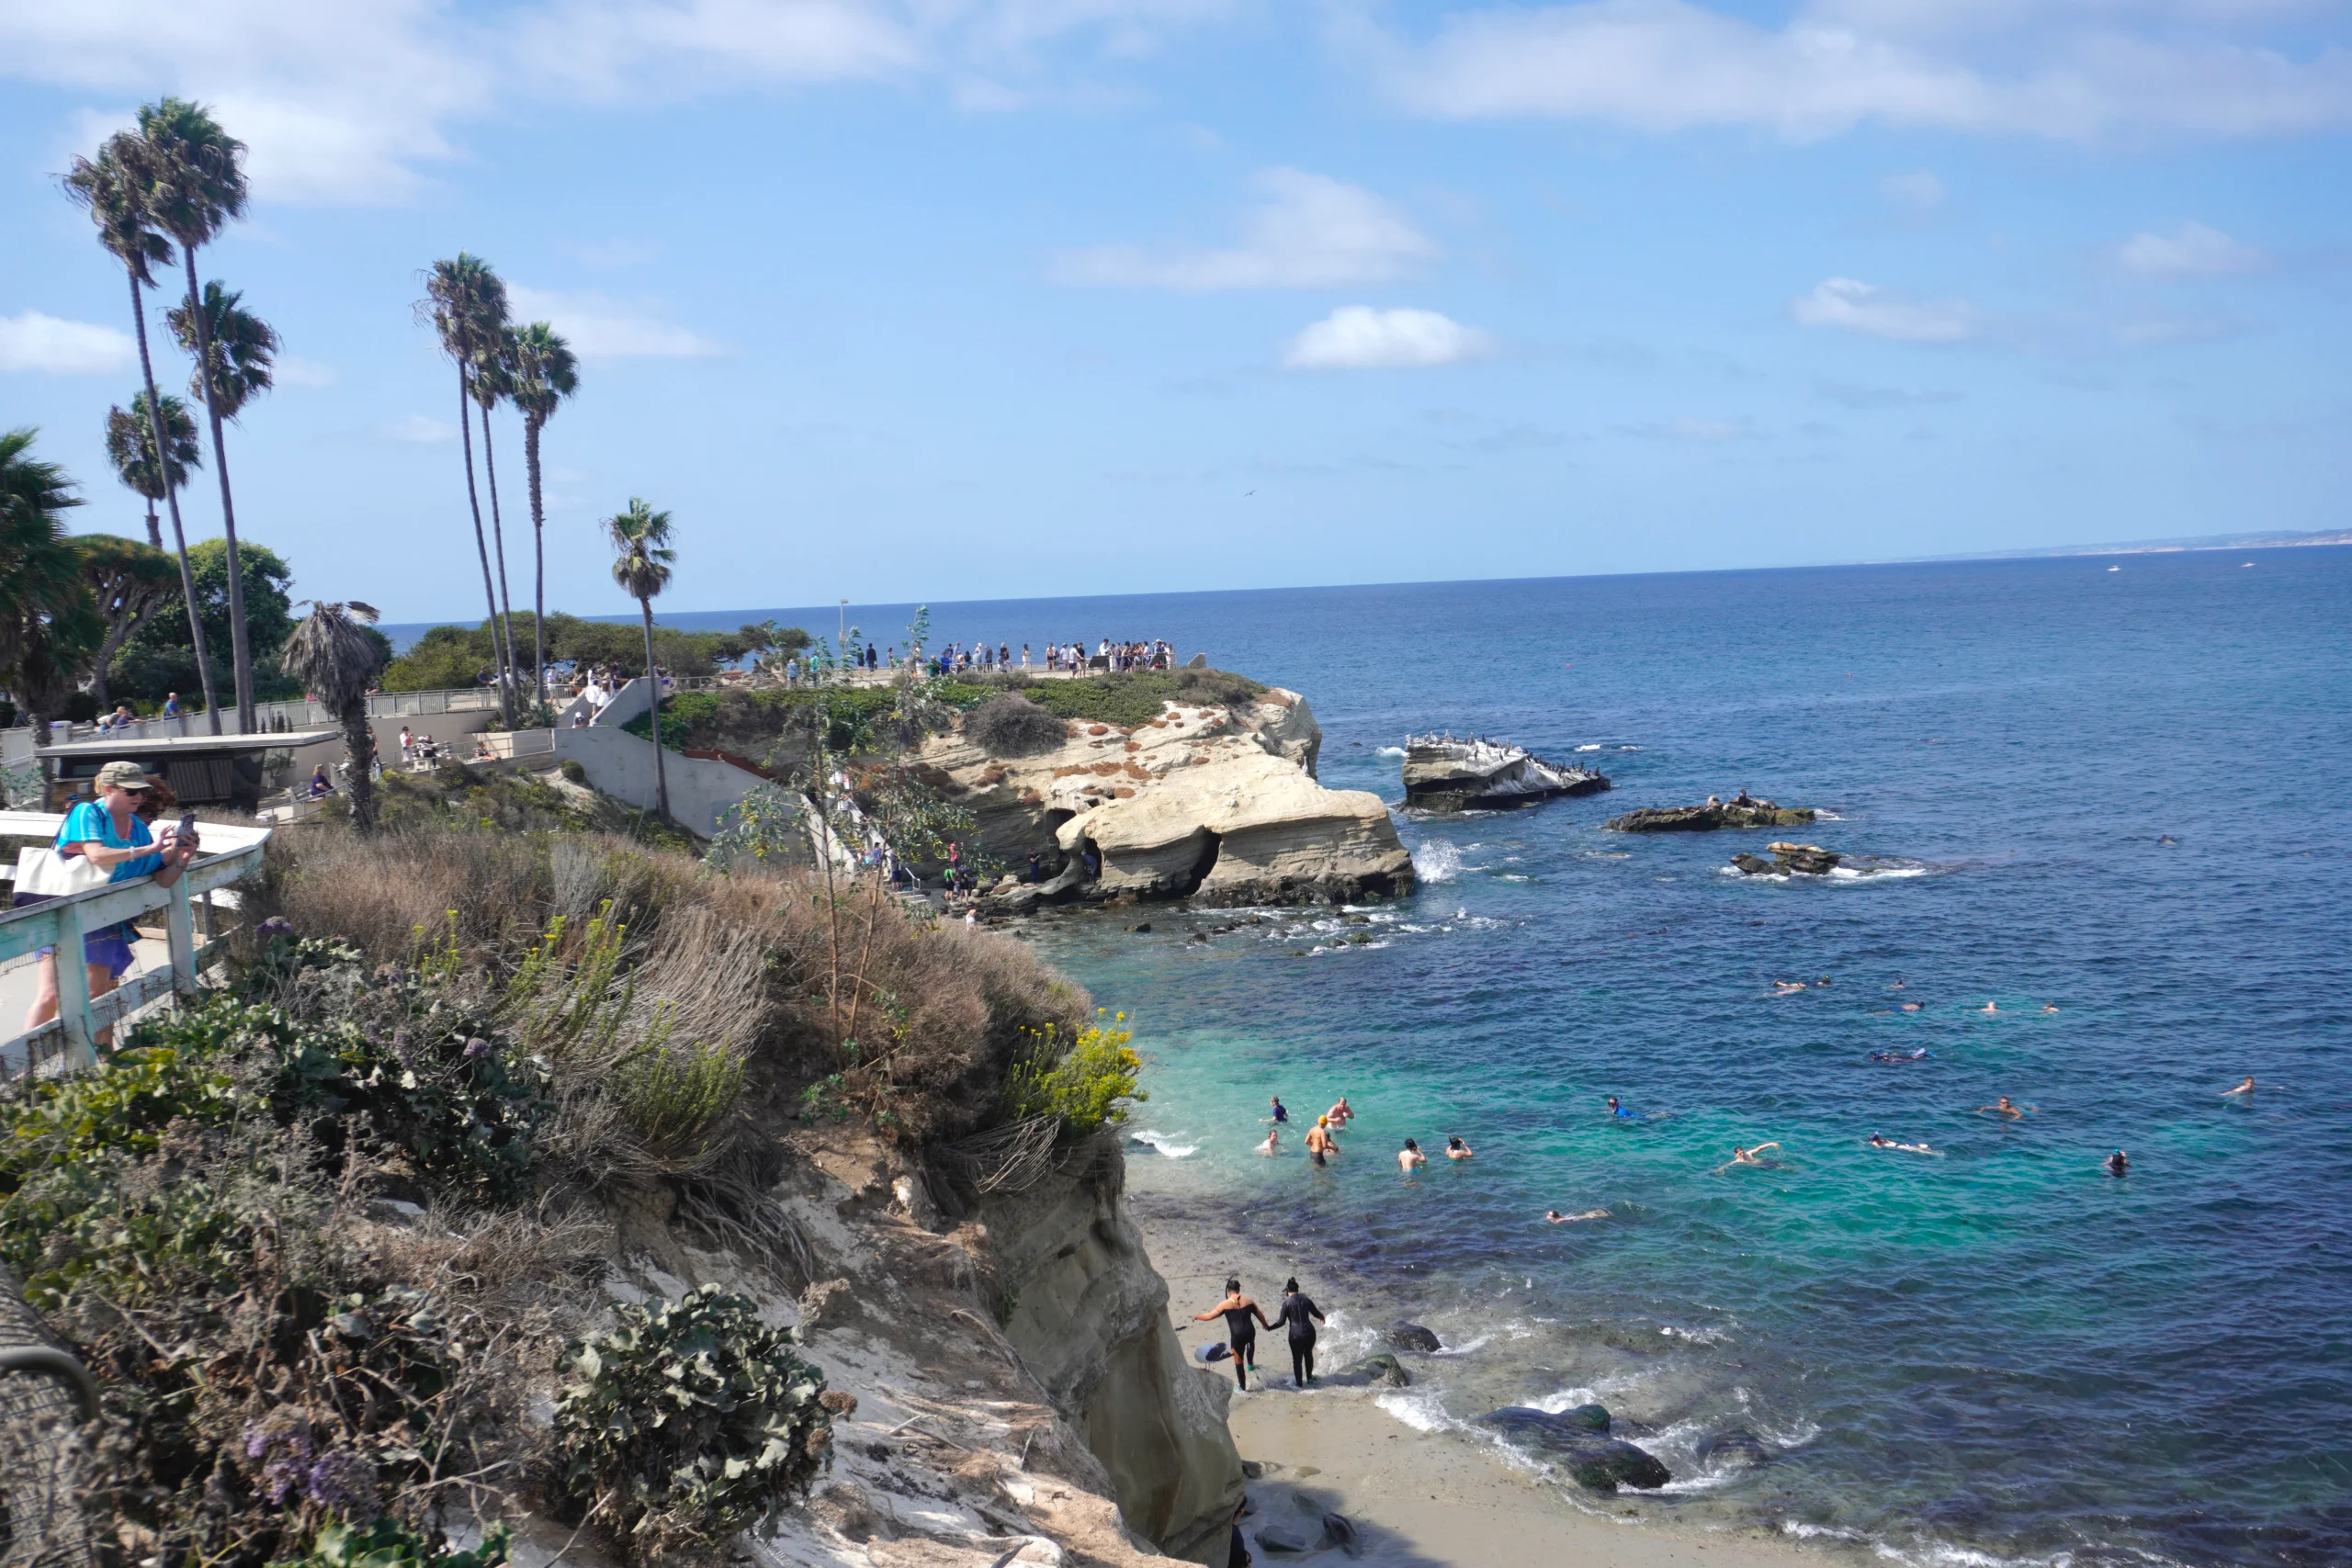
(2126, 783)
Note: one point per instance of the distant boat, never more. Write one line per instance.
(2119, 569)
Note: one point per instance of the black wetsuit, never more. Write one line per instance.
(1298, 1316)
(1241, 1332)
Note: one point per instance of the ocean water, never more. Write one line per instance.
(2122, 791)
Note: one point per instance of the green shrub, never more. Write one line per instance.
(690, 1422)
(388, 1543)
(672, 1098)
(121, 1106)
(1086, 1087)
(570, 767)
(1138, 696)
(1008, 725)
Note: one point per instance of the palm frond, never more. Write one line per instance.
(332, 653)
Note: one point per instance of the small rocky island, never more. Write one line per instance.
(1797, 860)
(1743, 810)
(1445, 774)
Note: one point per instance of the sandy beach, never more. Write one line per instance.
(1415, 1497)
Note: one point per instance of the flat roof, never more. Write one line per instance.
(191, 745)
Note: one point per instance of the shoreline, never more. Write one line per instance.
(1418, 1499)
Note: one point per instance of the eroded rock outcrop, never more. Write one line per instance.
(1739, 812)
(1445, 774)
(1218, 804)
(1789, 860)
(1007, 1388)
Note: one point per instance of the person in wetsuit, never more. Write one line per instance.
(1240, 1332)
(1299, 1314)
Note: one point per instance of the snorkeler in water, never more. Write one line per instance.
(1619, 1110)
(1456, 1149)
(2006, 1107)
(1879, 1142)
(2245, 1088)
(2117, 1164)
(1554, 1216)
(1411, 1158)
(1921, 1055)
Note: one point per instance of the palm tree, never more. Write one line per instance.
(243, 348)
(641, 563)
(543, 372)
(49, 629)
(129, 584)
(197, 184)
(465, 304)
(130, 447)
(337, 660)
(115, 189)
(490, 387)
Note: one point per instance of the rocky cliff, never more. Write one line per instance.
(1018, 1395)
(1218, 803)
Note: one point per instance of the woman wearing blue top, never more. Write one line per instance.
(108, 832)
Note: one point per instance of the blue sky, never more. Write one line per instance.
(967, 299)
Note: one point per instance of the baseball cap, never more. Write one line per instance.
(122, 775)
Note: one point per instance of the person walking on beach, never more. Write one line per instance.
(1241, 1317)
(1299, 1314)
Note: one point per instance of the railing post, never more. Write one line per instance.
(73, 1015)
(179, 922)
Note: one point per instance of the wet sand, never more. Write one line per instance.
(1417, 1500)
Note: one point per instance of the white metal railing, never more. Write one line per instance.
(61, 923)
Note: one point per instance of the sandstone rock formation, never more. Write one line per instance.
(1738, 812)
(1212, 803)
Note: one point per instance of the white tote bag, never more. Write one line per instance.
(43, 874)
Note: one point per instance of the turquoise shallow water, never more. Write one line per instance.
(1994, 1351)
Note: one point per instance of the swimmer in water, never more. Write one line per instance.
(1749, 1157)
(1878, 1142)
(1788, 987)
(2117, 1164)
(2050, 1006)
(1321, 1144)
(1554, 1216)
(1897, 987)
(1988, 1006)
(1619, 1111)
(2245, 1087)
(1409, 1158)
(1921, 1055)
(1280, 1118)
(1456, 1149)
(1912, 1007)
(1272, 1145)
(1341, 1113)
(2006, 1107)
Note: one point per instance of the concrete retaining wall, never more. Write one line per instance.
(621, 765)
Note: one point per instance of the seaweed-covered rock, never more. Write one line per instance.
(1738, 812)
(1738, 1449)
(1412, 1336)
(1373, 1372)
(1600, 1463)
(1753, 865)
(1592, 1417)
(1789, 860)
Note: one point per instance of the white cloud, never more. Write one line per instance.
(293, 370)
(1313, 232)
(2193, 250)
(2072, 69)
(599, 327)
(1919, 190)
(1864, 308)
(345, 104)
(1357, 337)
(416, 430)
(35, 342)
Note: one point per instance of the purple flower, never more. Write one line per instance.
(477, 1047)
(283, 1475)
(404, 1047)
(274, 927)
(343, 1482)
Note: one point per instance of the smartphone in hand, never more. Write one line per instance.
(186, 834)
